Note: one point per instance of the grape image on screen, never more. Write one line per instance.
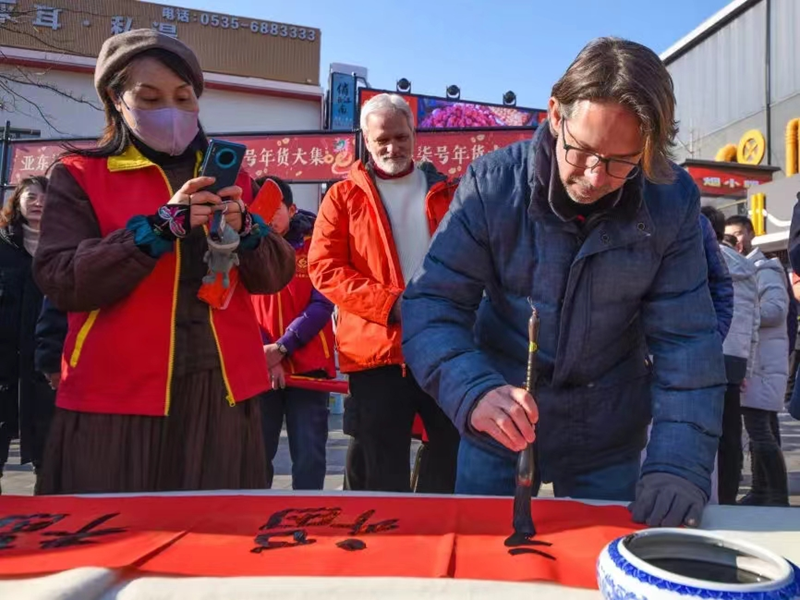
(459, 115)
(437, 114)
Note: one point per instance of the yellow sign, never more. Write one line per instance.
(751, 148)
(223, 43)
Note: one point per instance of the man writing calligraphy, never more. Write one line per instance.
(595, 225)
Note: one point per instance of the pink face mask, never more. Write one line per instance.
(169, 130)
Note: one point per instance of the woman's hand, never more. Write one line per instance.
(202, 204)
(273, 355)
(232, 205)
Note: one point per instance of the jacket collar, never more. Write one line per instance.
(362, 171)
(132, 159)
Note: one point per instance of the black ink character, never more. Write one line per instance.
(15, 524)
(29, 523)
(265, 540)
(82, 537)
(351, 545)
(292, 523)
(302, 517)
(517, 544)
(7, 541)
(359, 526)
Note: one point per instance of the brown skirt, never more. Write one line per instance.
(204, 444)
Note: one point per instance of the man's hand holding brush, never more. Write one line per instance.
(508, 414)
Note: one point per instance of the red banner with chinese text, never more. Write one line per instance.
(726, 181)
(305, 157)
(452, 151)
(344, 536)
(298, 157)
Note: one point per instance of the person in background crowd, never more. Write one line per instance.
(51, 331)
(594, 225)
(719, 279)
(739, 348)
(792, 326)
(297, 328)
(155, 387)
(794, 237)
(793, 405)
(371, 234)
(26, 400)
(793, 398)
(764, 392)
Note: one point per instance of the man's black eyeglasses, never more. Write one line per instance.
(583, 159)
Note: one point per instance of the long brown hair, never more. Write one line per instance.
(617, 70)
(116, 136)
(12, 212)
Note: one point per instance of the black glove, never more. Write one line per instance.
(664, 500)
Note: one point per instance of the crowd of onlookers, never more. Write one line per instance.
(756, 308)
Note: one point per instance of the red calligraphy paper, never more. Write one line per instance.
(271, 535)
(573, 534)
(317, 536)
(49, 534)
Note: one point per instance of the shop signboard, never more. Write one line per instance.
(224, 43)
(431, 112)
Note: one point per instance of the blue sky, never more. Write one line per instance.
(484, 46)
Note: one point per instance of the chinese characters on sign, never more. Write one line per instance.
(720, 181)
(47, 16)
(316, 157)
(120, 25)
(170, 29)
(313, 157)
(7, 11)
(342, 102)
(451, 152)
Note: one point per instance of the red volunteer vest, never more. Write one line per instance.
(276, 312)
(119, 358)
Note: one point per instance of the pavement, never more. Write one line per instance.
(19, 479)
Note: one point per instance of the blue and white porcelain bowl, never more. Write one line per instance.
(678, 564)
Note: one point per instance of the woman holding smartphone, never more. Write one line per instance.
(156, 385)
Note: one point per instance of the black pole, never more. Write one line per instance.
(355, 100)
(3, 158)
(768, 79)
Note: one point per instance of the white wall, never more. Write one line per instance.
(220, 111)
(68, 117)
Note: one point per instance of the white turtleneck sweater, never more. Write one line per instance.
(404, 201)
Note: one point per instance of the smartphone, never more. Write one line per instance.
(222, 161)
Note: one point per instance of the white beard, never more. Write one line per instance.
(392, 166)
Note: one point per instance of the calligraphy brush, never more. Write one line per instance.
(523, 521)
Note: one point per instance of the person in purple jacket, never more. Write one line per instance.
(298, 340)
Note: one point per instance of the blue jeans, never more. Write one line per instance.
(483, 473)
(306, 413)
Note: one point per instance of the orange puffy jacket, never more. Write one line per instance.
(353, 262)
